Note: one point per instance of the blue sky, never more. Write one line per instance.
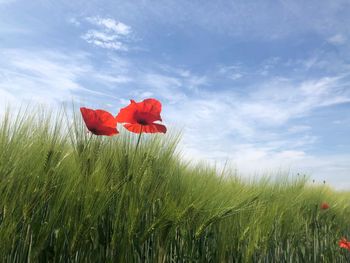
(264, 85)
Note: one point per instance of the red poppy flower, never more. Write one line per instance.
(141, 116)
(343, 243)
(99, 122)
(324, 206)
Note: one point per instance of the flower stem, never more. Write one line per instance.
(138, 141)
(137, 146)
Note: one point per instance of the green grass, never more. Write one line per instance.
(67, 196)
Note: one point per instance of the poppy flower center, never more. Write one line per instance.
(142, 121)
(141, 118)
(93, 130)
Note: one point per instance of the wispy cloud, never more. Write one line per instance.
(110, 34)
(164, 86)
(52, 77)
(281, 99)
(232, 72)
(259, 131)
(337, 39)
(299, 128)
(74, 21)
(110, 24)
(43, 77)
(256, 20)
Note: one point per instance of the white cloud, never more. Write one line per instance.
(318, 87)
(116, 45)
(334, 169)
(164, 86)
(111, 34)
(187, 80)
(252, 160)
(252, 131)
(109, 78)
(194, 82)
(109, 24)
(268, 65)
(7, 99)
(299, 128)
(170, 83)
(337, 39)
(262, 20)
(269, 106)
(74, 21)
(279, 100)
(232, 72)
(52, 77)
(45, 77)
(97, 35)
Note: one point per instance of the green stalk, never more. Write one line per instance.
(138, 141)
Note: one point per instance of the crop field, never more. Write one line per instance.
(69, 196)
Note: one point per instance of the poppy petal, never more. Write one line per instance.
(89, 117)
(145, 117)
(127, 114)
(106, 118)
(343, 243)
(154, 128)
(134, 127)
(140, 116)
(148, 110)
(153, 107)
(99, 122)
(151, 128)
(324, 206)
(108, 131)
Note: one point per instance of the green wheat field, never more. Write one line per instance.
(69, 196)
